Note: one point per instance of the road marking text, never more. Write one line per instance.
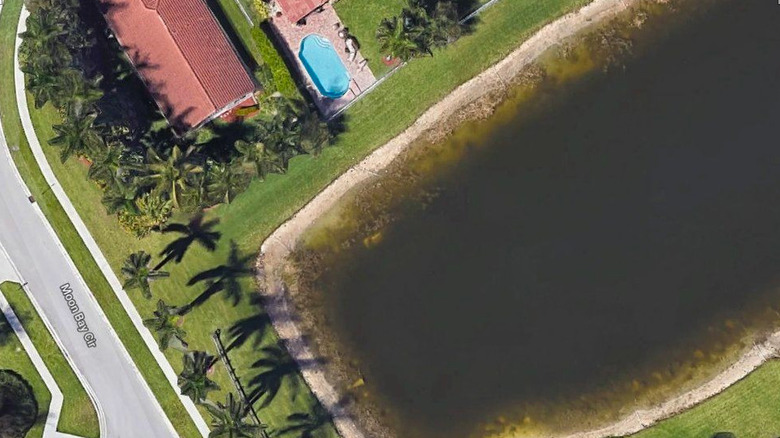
(81, 323)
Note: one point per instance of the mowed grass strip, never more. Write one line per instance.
(749, 409)
(386, 112)
(78, 415)
(13, 357)
(25, 162)
(237, 27)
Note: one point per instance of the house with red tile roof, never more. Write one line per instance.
(296, 10)
(183, 56)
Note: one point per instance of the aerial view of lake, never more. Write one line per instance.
(609, 235)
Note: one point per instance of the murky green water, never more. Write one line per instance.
(606, 237)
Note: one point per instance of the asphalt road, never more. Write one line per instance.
(127, 405)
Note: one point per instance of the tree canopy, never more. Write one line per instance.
(18, 407)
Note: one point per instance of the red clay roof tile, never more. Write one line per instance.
(297, 9)
(183, 55)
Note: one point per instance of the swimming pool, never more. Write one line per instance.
(324, 66)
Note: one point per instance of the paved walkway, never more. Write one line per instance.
(324, 24)
(89, 241)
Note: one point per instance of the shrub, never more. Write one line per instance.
(280, 78)
(18, 407)
(260, 9)
(153, 213)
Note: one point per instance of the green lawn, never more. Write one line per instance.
(749, 409)
(78, 414)
(236, 25)
(56, 216)
(377, 118)
(13, 357)
(362, 18)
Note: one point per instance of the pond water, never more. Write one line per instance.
(606, 231)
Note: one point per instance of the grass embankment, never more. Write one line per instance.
(373, 121)
(78, 415)
(747, 409)
(27, 166)
(14, 358)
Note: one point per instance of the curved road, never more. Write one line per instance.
(126, 405)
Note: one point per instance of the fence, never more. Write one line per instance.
(468, 17)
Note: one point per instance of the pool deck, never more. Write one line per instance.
(324, 24)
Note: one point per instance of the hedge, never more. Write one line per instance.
(282, 81)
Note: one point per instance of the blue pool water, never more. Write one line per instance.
(324, 66)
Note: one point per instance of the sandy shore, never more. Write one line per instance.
(497, 79)
(645, 418)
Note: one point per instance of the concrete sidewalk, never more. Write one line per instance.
(89, 241)
(124, 401)
(7, 273)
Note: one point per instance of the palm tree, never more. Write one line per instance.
(193, 380)
(395, 40)
(73, 87)
(42, 84)
(280, 132)
(195, 196)
(120, 195)
(196, 230)
(41, 47)
(445, 27)
(76, 135)
(226, 181)
(261, 159)
(229, 420)
(165, 325)
(169, 175)
(106, 164)
(138, 275)
(155, 209)
(313, 133)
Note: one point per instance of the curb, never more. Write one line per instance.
(57, 398)
(62, 198)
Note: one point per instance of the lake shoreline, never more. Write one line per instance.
(474, 100)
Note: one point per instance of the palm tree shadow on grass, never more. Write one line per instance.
(196, 230)
(252, 328)
(226, 277)
(303, 424)
(274, 369)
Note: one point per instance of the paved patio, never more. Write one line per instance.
(327, 24)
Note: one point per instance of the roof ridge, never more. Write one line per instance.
(188, 61)
(189, 23)
(179, 48)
